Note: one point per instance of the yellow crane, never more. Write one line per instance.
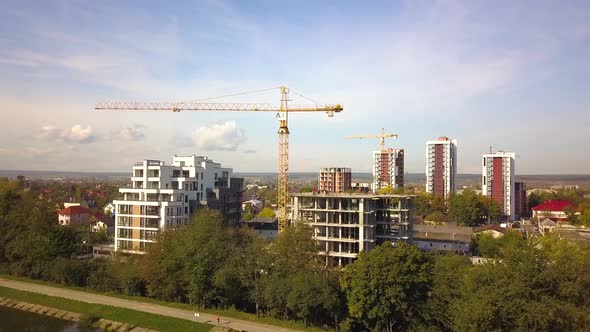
(282, 115)
(382, 137)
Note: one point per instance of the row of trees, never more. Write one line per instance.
(531, 286)
(466, 208)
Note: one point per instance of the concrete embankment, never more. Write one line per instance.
(104, 324)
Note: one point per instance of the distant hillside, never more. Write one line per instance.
(532, 180)
(62, 174)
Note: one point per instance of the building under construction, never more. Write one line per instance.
(334, 180)
(388, 163)
(346, 224)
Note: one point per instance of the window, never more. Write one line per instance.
(186, 198)
(201, 187)
(186, 210)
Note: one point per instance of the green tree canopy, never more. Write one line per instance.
(267, 212)
(529, 289)
(386, 288)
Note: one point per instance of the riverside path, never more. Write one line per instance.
(236, 324)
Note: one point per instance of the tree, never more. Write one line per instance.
(571, 215)
(436, 217)
(295, 250)
(266, 213)
(181, 265)
(470, 209)
(447, 274)
(534, 287)
(422, 205)
(386, 288)
(252, 266)
(312, 298)
(306, 189)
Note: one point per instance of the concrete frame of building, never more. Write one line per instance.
(163, 196)
(441, 166)
(346, 224)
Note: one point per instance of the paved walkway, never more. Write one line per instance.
(236, 324)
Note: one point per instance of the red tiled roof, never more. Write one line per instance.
(552, 205)
(74, 210)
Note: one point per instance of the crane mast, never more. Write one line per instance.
(283, 178)
(282, 115)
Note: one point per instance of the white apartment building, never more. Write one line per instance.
(497, 180)
(388, 169)
(163, 196)
(346, 224)
(441, 166)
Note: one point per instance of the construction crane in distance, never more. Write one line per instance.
(282, 115)
(382, 137)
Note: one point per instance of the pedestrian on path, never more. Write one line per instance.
(197, 315)
(217, 318)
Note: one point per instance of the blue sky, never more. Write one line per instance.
(514, 76)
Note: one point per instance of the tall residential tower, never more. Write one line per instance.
(497, 180)
(334, 179)
(388, 168)
(441, 166)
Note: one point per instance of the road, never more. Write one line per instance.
(236, 324)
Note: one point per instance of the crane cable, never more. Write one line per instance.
(230, 95)
(301, 95)
(250, 92)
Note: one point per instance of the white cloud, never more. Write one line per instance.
(132, 133)
(75, 134)
(49, 132)
(221, 137)
(79, 134)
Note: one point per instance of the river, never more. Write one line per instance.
(12, 320)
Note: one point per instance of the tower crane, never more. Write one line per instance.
(282, 115)
(382, 137)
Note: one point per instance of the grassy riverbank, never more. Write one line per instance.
(231, 313)
(132, 317)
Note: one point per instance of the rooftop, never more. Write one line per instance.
(74, 210)
(552, 205)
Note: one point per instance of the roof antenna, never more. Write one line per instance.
(490, 149)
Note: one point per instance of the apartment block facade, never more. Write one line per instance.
(441, 166)
(498, 177)
(163, 196)
(520, 199)
(334, 179)
(388, 169)
(346, 224)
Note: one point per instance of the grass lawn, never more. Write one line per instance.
(143, 319)
(227, 313)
